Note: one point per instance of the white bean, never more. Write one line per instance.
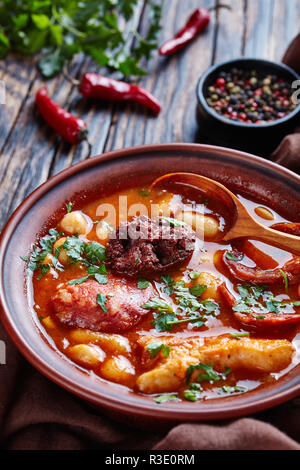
(202, 224)
(75, 222)
(86, 355)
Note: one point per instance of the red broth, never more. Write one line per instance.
(123, 350)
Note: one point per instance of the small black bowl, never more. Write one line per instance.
(259, 139)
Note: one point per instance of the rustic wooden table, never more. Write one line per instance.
(31, 153)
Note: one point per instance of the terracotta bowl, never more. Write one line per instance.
(270, 183)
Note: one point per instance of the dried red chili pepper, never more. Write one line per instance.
(97, 86)
(196, 23)
(69, 127)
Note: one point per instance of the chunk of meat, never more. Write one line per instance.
(149, 246)
(292, 229)
(270, 319)
(261, 276)
(76, 305)
(169, 374)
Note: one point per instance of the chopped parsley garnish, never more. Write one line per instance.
(98, 273)
(208, 374)
(143, 283)
(172, 222)
(190, 309)
(101, 301)
(69, 207)
(235, 389)
(78, 251)
(239, 335)
(197, 290)
(231, 256)
(144, 193)
(155, 303)
(169, 284)
(194, 392)
(194, 275)
(95, 252)
(285, 279)
(39, 253)
(156, 348)
(166, 397)
(258, 301)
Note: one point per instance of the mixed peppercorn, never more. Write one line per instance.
(250, 96)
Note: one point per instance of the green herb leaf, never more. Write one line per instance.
(197, 290)
(144, 193)
(236, 389)
(155, 348)
(285, 279)
(95, 253)
(69, 207)
(155, 303)
(239, 335)
(172, 222)
(62, 29)
(232, 257)
(101, 301)
(169, 283)
(209, 373)
(166, 397)
(143, 283)
(194, 275)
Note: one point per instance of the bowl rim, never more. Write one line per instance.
(146, 409)
(243, 125)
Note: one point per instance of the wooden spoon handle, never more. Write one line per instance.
(281, 240)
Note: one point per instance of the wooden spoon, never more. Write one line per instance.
(243, 225)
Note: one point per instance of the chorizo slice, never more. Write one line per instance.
(119, 310)
(255, 275)
(266, 320)
(291, 228)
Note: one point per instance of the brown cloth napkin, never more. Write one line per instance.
(36, 414)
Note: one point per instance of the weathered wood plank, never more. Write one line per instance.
(231, 30)
(98, 116)
(173, 81)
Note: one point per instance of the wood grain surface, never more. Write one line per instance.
(30, 152)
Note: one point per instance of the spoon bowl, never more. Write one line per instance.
(243, 224)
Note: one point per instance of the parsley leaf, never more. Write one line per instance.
(166, 397)
(101, 301)
(231, 256)
(209, 374)
(155, 348)
(143, 283)
(169, 284)
(102, 30)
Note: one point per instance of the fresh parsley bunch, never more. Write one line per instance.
(63, 28)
